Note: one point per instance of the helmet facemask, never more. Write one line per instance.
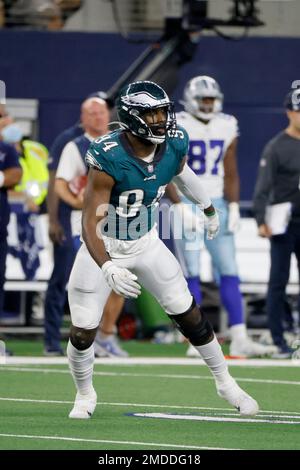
(138, 103)
(197, 90)
(206, 111)
(156, 130)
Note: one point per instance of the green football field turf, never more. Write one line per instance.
(153, 407)
(134, 348)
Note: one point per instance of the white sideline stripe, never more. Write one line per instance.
(160, 376)
(177, 361)
(104, 441)
(287, 414)
(212, 418)
(31, 400)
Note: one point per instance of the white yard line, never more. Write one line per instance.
(32, 400)
(104, 441)
(159, 376)
(265, 413)
(18, 360)
(215, 418)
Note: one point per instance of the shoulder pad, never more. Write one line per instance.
(101, 154)
(226, 117)
(230, 122)
(179, 140)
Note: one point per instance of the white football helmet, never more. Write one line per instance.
(198, 88)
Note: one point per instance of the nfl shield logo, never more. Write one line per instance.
(150, 168)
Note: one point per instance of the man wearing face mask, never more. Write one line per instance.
(30, 192)
(11, 133)
(5, 119)
(10, 175)
(33, 160)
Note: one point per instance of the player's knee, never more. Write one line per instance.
(194, 326)
(82, 339)
(177, 301)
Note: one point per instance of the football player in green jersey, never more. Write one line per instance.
(128, 172)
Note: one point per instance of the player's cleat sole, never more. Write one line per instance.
(234, 395)
(84, 406)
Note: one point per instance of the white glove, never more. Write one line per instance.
(212, 226)
(233, 217)
(190, 220)
(121, 280)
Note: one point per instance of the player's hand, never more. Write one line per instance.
(121, 280)
(56, 233)
(190, 221)
(212, 226)
(233, 217)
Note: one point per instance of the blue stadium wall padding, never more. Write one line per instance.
(61, 68)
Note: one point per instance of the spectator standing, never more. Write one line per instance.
(277, 213)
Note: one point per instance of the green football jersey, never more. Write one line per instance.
(139, 185)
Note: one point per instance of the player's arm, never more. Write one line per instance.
(10, 177)
(69, 167)
(231, 176)
(63, 191)
(188, 183)
(172, 194)
(263, 189)
(189, 219)
(232, 186)
(95, 206)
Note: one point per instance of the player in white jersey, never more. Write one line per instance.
(212, 156)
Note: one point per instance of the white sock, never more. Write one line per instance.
(81, 364)
(238, 332)
(213, 356)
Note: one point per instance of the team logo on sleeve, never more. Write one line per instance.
(92, 162)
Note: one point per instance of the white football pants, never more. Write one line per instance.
(157, 270)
